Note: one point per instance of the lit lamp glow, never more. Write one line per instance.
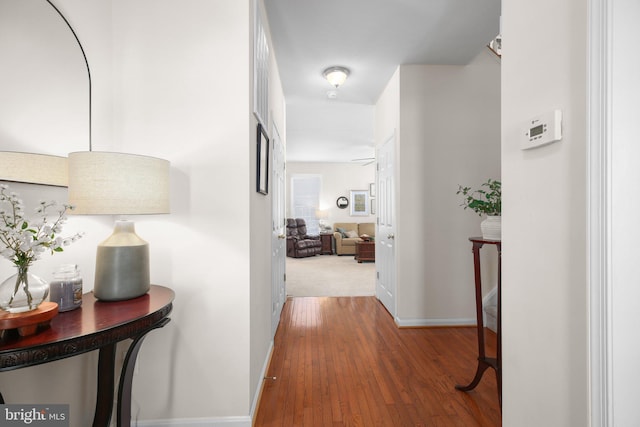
(336, 75)
(105, 183)
(322, 215)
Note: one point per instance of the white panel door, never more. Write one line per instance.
(278, 232)
(385, 235)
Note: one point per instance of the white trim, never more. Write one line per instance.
(263, 373)
(242, 421)
(197, 422)
(260, 67)
(415, 323)
(599, 203)
(491, 299)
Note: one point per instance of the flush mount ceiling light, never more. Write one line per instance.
(336, 75)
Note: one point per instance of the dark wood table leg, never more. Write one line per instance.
(483, 364)
(106, 381)
(499, 326)
(126, 377)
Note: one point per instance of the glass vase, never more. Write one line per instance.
(23, 291)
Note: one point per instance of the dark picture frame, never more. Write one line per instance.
(262, 171)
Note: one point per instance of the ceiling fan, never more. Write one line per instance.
(366, 160)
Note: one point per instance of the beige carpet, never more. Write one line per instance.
(330, 275)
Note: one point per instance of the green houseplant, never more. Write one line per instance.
(485, 200)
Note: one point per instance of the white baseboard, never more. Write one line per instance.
(258, 392)
(489, 309)
(244, 421)
(490, 298)
(197, 422)
(415, 323)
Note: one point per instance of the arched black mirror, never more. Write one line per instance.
(43, 81)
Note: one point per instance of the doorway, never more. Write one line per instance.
(329, 274)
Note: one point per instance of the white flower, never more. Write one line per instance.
(22, 241)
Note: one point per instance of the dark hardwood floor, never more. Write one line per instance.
(341, 361)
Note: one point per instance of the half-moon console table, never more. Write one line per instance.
(97, 325)
(485, 362)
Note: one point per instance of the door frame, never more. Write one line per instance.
(598, 235)
(611, 269)
(278, 288)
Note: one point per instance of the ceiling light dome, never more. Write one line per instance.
(336, 75)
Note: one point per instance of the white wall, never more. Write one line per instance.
(545, 377)
(446, 120)
(338, 179)
(174, 82)
(175, 101)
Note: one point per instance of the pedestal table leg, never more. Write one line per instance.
(482, 359)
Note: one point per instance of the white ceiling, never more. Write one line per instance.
(371, 38)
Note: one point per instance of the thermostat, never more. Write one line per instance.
(542, 130)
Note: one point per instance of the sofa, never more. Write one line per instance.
(299, 243)
(346, 234)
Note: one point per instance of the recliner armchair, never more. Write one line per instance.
(299, 243)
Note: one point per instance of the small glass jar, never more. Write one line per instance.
(66, 287)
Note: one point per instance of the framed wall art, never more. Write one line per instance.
(262, 171)
(359, 203)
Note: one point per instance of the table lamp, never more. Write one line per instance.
(322, 215)
(106, 183)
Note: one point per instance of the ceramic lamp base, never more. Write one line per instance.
(122, 265)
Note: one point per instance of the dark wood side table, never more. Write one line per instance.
(97, 325)
(365, 251)
(485, 362)
(327, 243)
